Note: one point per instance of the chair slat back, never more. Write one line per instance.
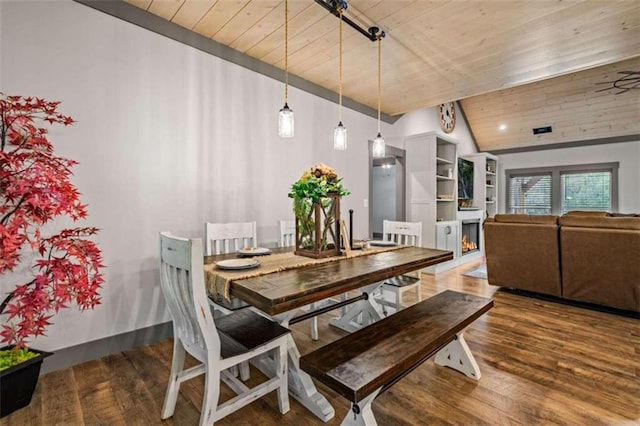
(221, 238)
(183, 287)
(407, 233)
(287, 230)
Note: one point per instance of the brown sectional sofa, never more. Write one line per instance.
(583, 256)
(522, 252)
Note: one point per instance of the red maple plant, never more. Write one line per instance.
(35, 188)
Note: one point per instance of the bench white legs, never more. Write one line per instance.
(458, 356)
(455, 355)
(363, 414)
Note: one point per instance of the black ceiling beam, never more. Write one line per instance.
(334, 6)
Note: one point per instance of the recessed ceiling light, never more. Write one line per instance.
(502, 127)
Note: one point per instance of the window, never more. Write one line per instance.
(558, 190)
(586, 191)
(529, 193)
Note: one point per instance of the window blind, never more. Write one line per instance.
(529, 194)
(561, 189)
(586, 191)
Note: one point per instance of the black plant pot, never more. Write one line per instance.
(18, 383)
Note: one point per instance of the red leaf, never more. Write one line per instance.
(36, 189)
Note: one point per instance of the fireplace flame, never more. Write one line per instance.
(468, 245)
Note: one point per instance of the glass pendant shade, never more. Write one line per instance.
(378, 147)
(285, 122)
(340, 137)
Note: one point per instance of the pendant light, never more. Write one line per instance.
(378, 142)
(340, 132)
(285, 117)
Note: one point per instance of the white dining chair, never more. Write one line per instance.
(287, 230)
(217, 344)
(221, 238)
(406, 233)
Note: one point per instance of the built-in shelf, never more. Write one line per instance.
(432, 173)
(485, 182)
(446, 176)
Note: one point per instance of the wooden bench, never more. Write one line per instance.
(363, 364)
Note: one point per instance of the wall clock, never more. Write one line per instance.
(447, 116)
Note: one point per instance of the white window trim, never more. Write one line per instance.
(556, 201)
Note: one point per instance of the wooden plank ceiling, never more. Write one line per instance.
(438, 51)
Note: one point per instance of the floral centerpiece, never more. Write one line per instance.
(316, 206)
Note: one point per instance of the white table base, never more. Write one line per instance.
(359, 314)
(301, 386)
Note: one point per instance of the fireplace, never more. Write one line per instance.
(470, 236)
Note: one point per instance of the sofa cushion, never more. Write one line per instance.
(527, 218)
(585, 213)
(623, 214)
(607, 222)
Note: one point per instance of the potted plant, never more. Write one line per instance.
(56, 269)
(316, 207)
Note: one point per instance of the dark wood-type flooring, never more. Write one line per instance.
(542, 363)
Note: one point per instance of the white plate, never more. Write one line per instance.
(254, 251)
(238, 264)
(381, 243)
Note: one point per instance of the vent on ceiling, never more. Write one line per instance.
(540, 130)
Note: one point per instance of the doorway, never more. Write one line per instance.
(386, 189)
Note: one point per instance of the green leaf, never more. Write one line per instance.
(11, 357)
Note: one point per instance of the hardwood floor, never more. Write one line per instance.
(541, 363)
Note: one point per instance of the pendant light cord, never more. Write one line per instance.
(340, 72)
(286, 51)
(379, 44)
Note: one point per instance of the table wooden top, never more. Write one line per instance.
(284, 291)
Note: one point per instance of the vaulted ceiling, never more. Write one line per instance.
(517, 63)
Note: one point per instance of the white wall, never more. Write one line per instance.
(627, 154)
(426, 120)
(167, 137)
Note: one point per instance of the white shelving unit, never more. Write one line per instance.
(485, 182)
(432, 191)
(447, 236)
(431, 179)
(446, 180)
(432, 194)
(491, 184)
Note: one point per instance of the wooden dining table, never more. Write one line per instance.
(280, 295)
